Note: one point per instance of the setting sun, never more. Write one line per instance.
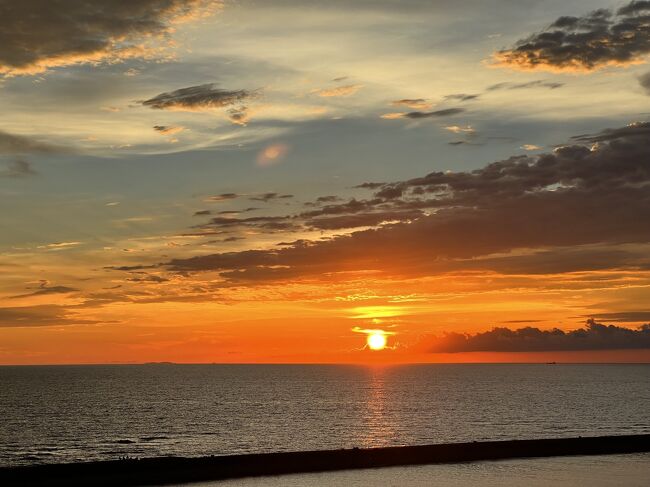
(376, 341)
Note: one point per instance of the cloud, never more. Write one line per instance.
(447, 112)
(346, 90)
(239, 116)
(36, 35)
(59, 245)
(593, 41)
(540, 83)
(223, 197)
(594, 336)
(17, 168)
(45, 290)
(462, 97)
(415, 103)
(625, 316)
(266, 197)
(198, 98)
(644, 81)
(362, 219)
(143, 277)
(573, 209)
(42, 315)
(20, 144)
(168, 129)
(437, 113)
(457, 129)
(236, 212)
(264, 223)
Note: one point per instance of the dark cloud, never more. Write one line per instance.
(202, 212)
(447, 112)
(39, 34)
(223, 197)
(621, 134)
(44, 290)
(351, 206)
(369, 185)
(322, 200)
(530, 84)
(417, 103)
(644, 81)
(362, 219)
(268, 223)
(462, 97)
(625, 316)
(594, 336)
(327, 199)
(43, 315)
(152, 278)
(595, 40)
(19, 144)
(17, 168)
(168, 129)
(266, 197)
(199, 98)
(239, 115)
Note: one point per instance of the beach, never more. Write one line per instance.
(597, 471)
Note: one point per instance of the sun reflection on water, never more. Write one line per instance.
(379, 421)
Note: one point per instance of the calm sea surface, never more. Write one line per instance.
(71, 413)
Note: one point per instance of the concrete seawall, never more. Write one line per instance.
(170, 470)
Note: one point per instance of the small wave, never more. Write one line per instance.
(124, 442)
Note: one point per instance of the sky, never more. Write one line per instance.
(277, 181)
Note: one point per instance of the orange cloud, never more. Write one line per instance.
(415, 103)
(346, 90)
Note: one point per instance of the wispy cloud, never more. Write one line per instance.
(21, 144)
(17, 168)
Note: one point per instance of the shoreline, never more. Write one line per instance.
(178, 470)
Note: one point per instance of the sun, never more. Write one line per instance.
(376, 341)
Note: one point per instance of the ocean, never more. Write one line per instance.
(77, 413)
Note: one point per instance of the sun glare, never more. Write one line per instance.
(376, 341)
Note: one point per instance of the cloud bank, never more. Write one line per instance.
(594, 336)
(579, 207)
